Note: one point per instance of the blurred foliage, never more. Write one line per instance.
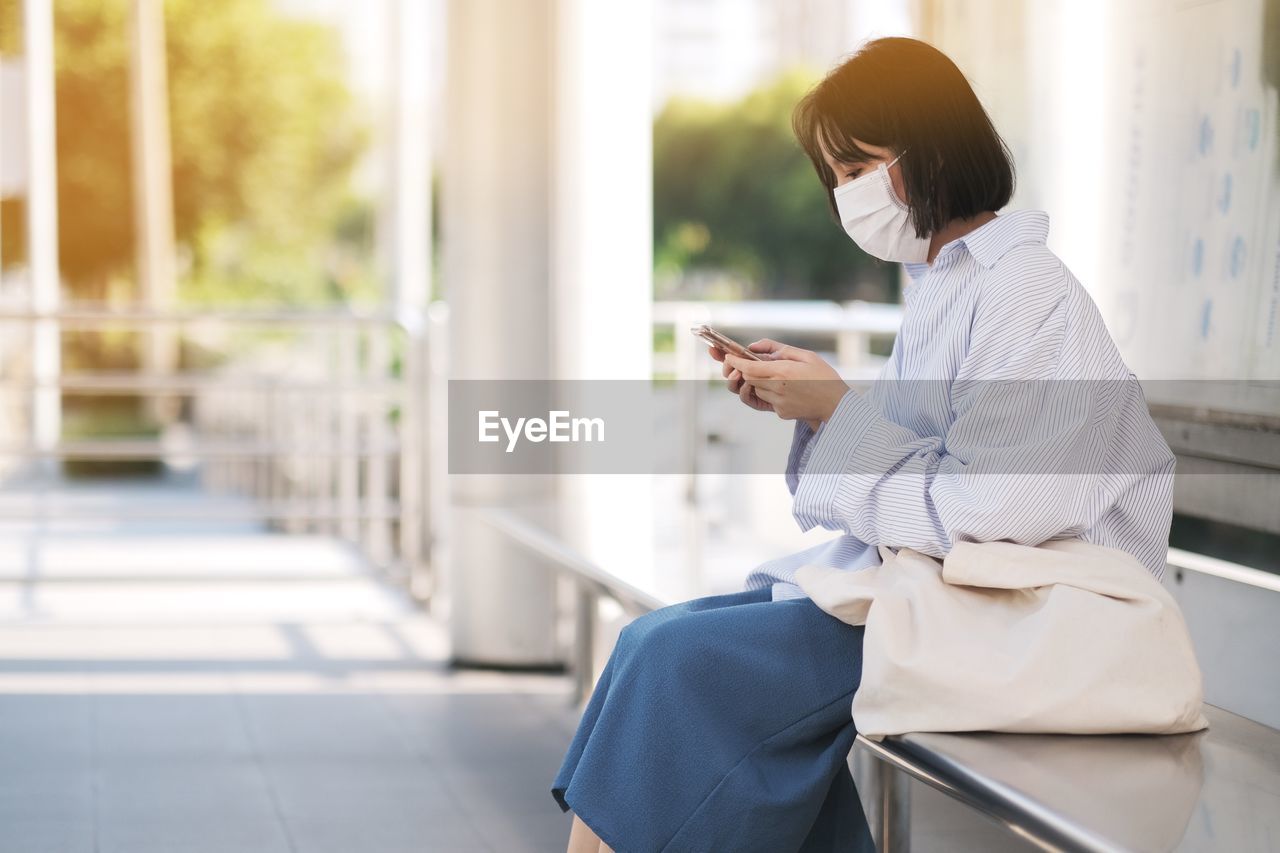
(265, 136)
(10, 27)
(100, 418)
(739, 211)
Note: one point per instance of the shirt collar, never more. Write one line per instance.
(916, 270)
(988, 243)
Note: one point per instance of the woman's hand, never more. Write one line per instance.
(745, 392)
(796, 383)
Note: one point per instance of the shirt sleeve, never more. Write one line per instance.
(1020, 461)
(801, 447)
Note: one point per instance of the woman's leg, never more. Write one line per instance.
(583, 840)
(581, 836)
(722, 723)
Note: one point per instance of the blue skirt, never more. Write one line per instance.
(722, 723)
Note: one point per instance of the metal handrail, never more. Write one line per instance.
(37, 510)
(92, 315)
(541, 541)
(188, 382)
(852, 326)
(809, 316)
(593, 583)
(141, 449)
(322, 449)
(1234, 572)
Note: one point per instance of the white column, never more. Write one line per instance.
(1065, 96)
(408, 253)
(42, 218)
(410, 155)
(495, 208)
(152, 183)
(603, 252)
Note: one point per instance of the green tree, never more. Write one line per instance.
(264, 139)
(734, 192)
(265, 136)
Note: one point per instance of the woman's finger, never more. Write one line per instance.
(768, 346)
(716, 353)
(769, 395)
(758, 404)
(790, 353)
(752, 369)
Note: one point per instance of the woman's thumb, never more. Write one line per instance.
(776, 350)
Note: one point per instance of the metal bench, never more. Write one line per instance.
(1218, 789)
(1214, 790)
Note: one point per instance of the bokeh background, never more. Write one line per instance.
(246, 245)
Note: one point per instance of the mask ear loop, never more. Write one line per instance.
(888, 183)
(836, 190)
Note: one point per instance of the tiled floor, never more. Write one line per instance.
(225, 689)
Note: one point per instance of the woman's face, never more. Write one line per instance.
(846, 172)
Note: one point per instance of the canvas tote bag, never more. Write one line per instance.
(1063, 637)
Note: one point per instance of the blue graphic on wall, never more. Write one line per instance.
(1252, 128)
(1237, 257)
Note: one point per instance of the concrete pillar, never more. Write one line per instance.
(602, 258)
(153, 189)
(42, 219)
(407, 226)
(407, 236)
(495, 208)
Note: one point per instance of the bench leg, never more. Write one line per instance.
(886, 798)
(894, 818)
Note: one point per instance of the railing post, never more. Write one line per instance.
(327, 489)
(690, 361)
(584, 637)
(260, 432)
(316, 436)
(242, 430)
(292, 459)
(853, 349)
(889, 818)
(412, 484)
(348, 462)
(435, 452)
(374, 407)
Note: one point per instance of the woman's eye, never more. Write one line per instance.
(855, 173)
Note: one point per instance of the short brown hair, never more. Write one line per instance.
(905, 95)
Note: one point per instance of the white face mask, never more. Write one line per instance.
(877, 220)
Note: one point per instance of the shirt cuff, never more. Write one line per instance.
(830, 462)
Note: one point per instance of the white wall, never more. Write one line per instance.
(1148, 133)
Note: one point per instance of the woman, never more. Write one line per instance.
(1004, 412)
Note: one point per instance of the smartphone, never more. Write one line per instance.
(723, 342)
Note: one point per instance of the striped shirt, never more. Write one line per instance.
(1004, 412)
